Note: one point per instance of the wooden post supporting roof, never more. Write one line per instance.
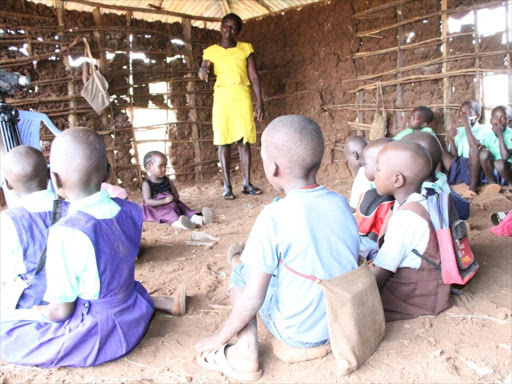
(399, 64)
(444, 47)
(72, 119)
(191, 97)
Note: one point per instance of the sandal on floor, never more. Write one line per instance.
(228, 193)
(497, 217)
(234, 249)
(207, 215)
(250, 189)
(216, 361)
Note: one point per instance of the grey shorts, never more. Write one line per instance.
(238, 279)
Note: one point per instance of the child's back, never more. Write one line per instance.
(313, 232)
(24, 228)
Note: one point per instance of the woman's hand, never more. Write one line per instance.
(259, 112)
(204, 73)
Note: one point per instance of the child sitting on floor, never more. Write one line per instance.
(437, 182)
(301, 231)
(96, 311)
(372, 208)
(24, 229)
(419, 120)
(498, 143)
(353, 152)
(161, 199)
(462, 160)
(409, 283)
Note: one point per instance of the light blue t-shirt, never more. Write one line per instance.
(312, 231)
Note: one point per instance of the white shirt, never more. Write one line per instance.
(71, 268)
(11, 251)
(406, 231)
(360, 185)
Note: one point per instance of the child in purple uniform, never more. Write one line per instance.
(24, 229)
(96, 311)
(161, 199)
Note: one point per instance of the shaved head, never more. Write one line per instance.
(370, 153)
(25, 170)
(407, 158)
(353, 151)
(78, 157)
(295, 143)
(430, 143)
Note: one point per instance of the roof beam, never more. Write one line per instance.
(264, 5)
(106, 5)
(224, 5)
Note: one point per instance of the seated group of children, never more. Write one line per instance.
(98, 312)
(69, 297)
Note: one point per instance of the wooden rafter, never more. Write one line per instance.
(264, 5)
(224, 5)
(106, 5)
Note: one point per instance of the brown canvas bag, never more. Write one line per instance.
(379, 125)
(95, 89)
(355, 315)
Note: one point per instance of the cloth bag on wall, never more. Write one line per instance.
(355, 315)
(380, 123)
(95, 85)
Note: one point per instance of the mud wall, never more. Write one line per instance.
(318, 62)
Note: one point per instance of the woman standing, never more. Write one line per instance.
(233, 113)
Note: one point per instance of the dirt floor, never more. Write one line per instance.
(470, 342)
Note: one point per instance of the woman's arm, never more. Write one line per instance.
(57, 311)
(259, 112)
(146, 194)
(204, 71)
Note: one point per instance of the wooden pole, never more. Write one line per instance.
(191, 96)
(72, 119)
(444, 47)
(479, 96)
(102, 59)
(399, 64)
(507, 33)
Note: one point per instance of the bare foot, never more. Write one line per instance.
(175, 304)
(294, 355)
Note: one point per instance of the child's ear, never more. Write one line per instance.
(356, 155)
(275, 169)
(399, 180)
(424, 124)
(56, 180)
(9, 186)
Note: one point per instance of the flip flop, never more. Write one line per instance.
(469, 195)
(185, 221)
(228, 193)
(217, 361)
(183, 299)
(497, 217)
(208, 215)
(234, 249)
(250, 189)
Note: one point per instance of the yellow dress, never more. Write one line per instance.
(233, 112)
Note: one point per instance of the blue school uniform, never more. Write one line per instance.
(100, 236)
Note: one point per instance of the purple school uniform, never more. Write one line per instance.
(99, 330)
(32, 231)
(168, 213)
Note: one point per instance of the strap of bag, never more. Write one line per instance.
(426, 259)
(56, 213)
(309, 277)
(379, 93)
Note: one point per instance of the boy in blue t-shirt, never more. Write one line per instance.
(498, 143)
(302, 232)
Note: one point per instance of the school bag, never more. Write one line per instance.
(371, 211)
(355, 316)
(458, 263)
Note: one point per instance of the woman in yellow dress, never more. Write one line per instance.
(233, 113)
